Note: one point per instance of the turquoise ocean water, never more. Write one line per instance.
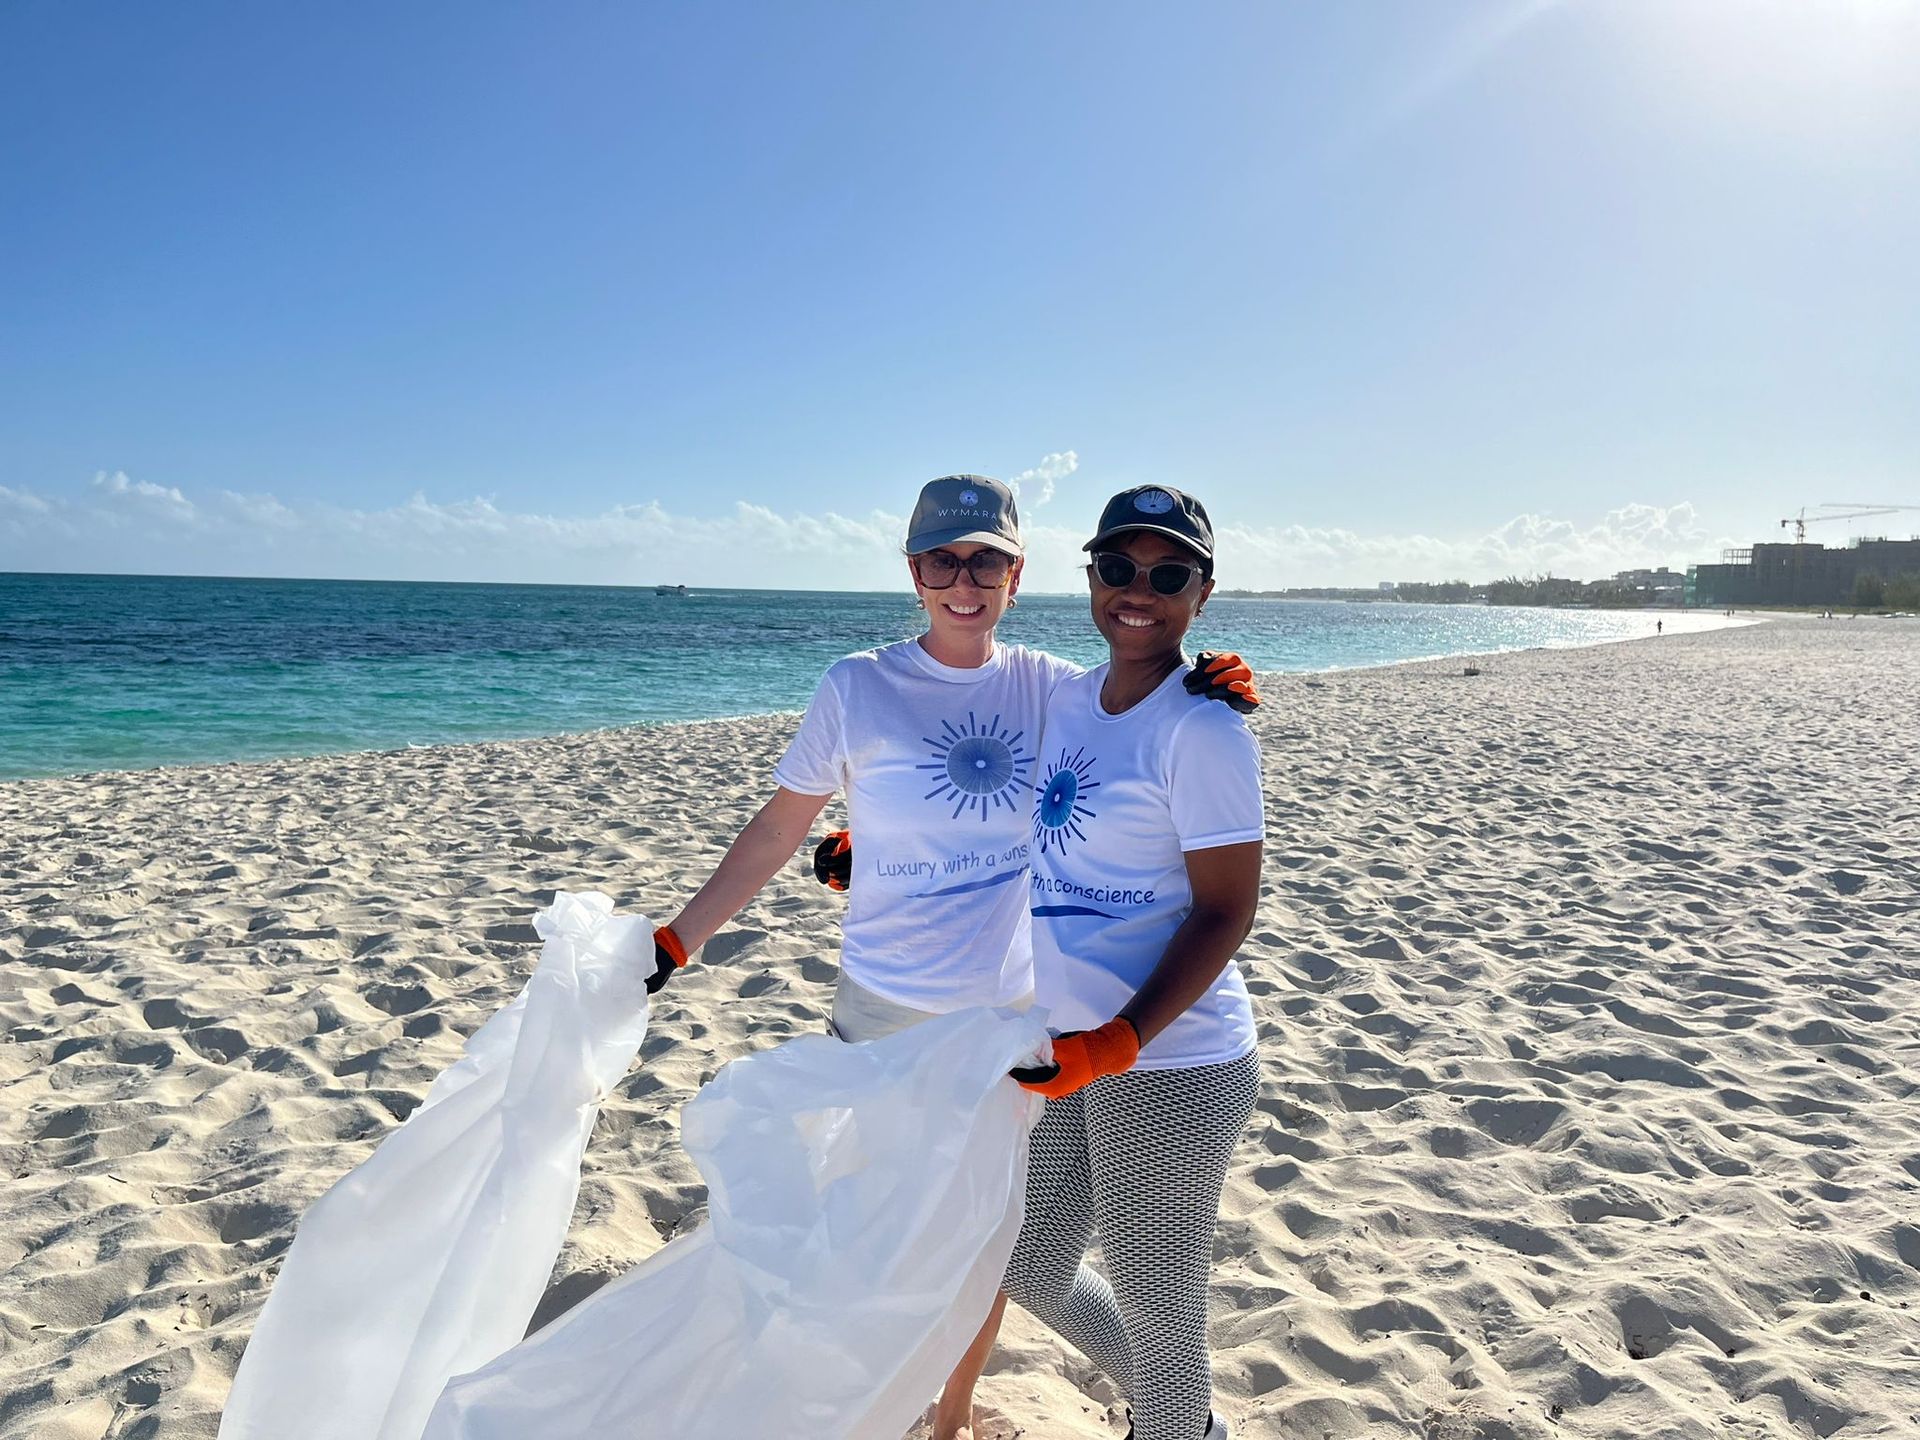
(108, 672)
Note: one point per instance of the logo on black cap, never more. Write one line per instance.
(1161, 509)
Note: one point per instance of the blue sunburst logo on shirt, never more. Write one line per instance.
(1062, 805)
(978, 767)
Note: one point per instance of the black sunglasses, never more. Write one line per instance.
(1116, 572)
(940, 569)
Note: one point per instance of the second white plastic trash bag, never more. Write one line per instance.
(863, 1202)
(430, 1257)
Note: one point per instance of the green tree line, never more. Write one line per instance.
(1871, 592)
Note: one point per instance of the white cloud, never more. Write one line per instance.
(23, 502)
(260, 510)
(23, 515)
(1041, 478)
(1628, 538)
(141, 499)
(110, 526)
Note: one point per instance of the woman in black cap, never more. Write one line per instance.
(1146, 872)
(935, 742)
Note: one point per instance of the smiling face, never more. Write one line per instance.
(964, 610)
(1139, 623)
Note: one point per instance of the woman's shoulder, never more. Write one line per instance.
(881, 659)
(846, 677)
(1051, 669)
(1198, 717)
(1073, 686)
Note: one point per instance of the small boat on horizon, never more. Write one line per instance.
(679, 590)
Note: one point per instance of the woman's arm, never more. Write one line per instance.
(767, 843)
(1226, 890)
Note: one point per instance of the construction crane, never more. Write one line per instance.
(1841, 512)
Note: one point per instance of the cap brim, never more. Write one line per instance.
(924, 543)
(1171, 534)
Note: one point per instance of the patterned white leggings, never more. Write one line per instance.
(1142, 1158)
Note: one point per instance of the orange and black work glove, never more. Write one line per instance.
(1223, 677)
(833, 860)
(669, 954)
(1081, 1057)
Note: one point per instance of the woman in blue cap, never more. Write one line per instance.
(1146, 873)
(936, 743)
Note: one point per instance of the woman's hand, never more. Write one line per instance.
(669, 955)
(1081, 1057)
(1225, 677)
(833, 860)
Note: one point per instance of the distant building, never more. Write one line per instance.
(1657, 587)
(1387, 587)
(1801, 574)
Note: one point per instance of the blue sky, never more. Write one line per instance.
(625, 292)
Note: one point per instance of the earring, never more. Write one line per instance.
(919, 602)
(1012, 600)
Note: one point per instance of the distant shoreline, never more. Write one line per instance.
(1312, 593)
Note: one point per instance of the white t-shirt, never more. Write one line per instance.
(1120, 800)
(938, 765)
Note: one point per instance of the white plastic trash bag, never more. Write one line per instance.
(429, 1259)
(863, 1201)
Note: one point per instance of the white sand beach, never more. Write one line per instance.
(1587, 988)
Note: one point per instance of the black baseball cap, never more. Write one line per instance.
(1161, 509)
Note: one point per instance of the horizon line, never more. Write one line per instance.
(1230, 591)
